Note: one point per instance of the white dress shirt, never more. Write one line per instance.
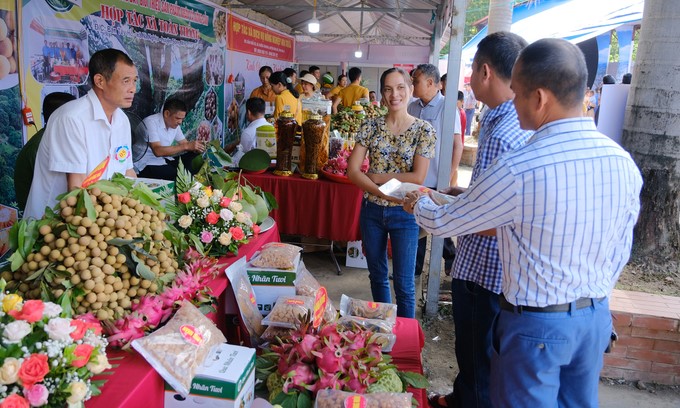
(158, 132)
(248, 136)
(564, 206)
(77, 139)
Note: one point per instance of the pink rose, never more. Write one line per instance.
(256, 229)
(206, 237)
(212, 218)
(82, 353)
(34, 369)
(224, 202)
(237, 233)
(31, 311)
(184, 198)
(36, 395)
(14, 401)
(80, 329)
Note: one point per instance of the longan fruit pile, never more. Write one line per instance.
(98, 272)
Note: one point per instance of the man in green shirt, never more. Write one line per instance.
(23, 171)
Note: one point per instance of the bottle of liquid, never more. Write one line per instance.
(285, 138)
(312, 132)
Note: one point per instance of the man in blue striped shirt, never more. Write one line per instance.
(563, 207)
(477, 269)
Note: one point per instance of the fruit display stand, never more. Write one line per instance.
(133, 382)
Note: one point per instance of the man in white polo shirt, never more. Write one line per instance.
(85, 132)
(166, 140)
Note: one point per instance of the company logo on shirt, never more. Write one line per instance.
(122, 153)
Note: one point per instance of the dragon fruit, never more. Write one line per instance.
(300, 376)
(305, 348)
(330, 360)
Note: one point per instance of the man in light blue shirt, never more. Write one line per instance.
(430, 107)
(563, 208)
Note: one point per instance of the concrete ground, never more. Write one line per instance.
(354, 282)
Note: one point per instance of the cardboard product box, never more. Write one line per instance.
(164, 188)
(269, 284)
(226, 379)
(355, 255)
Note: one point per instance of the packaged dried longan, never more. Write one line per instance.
(245, 298)
(374, 325)
(272, 332)
(339, 399)
(371, 310)
(289, 311)
(307, 285)
(277, 255)
(177, 349)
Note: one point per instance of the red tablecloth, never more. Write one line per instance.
(313, 208)
(407, 352)
(134, 383)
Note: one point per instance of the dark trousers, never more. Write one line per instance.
(474, 311)
(164, 172)
(449, 255)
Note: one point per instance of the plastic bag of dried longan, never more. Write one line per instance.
(307, 285)
(336, 399)
(177, 349)
(245, 298)
(289, 310)
(277, 255)
(370, 310)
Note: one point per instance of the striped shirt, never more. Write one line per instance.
(564, 206)
(477, 257)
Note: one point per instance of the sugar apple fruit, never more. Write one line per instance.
(389, 381)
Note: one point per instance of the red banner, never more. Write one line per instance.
(255, 39)
(405, 67)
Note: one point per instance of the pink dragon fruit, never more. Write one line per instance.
(330, 360)
(305, 348)
(329, 381)
(300, 376)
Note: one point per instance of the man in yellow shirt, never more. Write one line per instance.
(316, 71)
(351, 93)
(265, 92)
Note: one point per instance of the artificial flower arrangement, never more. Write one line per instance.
(46, 357)
(338, 164)
(295, 367)
(215, 212)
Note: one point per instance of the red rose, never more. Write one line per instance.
(31, 311)
(82, 353)
(256, 229)
(14, 401)
(184, 198)
(33, 370)
(81, 329)
(237, 233)
(212, 218)
(224, 202)
(91, 322)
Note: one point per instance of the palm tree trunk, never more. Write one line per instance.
(652, 128)
(500, 15)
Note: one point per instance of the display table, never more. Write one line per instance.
(313, 208)
(134, 383)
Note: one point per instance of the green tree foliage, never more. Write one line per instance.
(11, 141)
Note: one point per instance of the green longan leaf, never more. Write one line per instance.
(89, 207)
(414, 380)
(120, 241)
(110, 187)
(142, 270)
(123, 181)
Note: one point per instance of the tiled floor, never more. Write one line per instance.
(645, 303)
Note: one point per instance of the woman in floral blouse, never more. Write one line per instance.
(399, 146)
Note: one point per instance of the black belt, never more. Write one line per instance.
(580, 303)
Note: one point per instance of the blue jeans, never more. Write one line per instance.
(376, 223)
(549, 359)
(469, 115)
(474, 311)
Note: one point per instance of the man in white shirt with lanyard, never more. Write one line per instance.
(255, 108)
(563, 208)
(166, 140)
(87, 132)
